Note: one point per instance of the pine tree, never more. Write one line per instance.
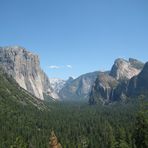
(141, 130)
(19, 143)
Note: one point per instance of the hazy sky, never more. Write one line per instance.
(73, 37)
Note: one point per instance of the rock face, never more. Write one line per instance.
(103, 89)
(113, 86)
(125, 78)
(11, 92)
(79, 88)
(138, 85)
(24, 67)
(57, 85)
(123, 69)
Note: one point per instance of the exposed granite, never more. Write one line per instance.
(24, 67)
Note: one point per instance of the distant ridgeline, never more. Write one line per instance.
(125, 79)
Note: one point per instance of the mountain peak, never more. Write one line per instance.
(70, 78)
(14, 48)
(123, 69)
(24, 66)
(17, 49)
(57, 84)
(136, 63)
(120, 60)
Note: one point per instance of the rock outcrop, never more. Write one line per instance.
(125, 78)
(24, 67)
(113, 86)
(103, 89)
(57, 85)
(123, 69)
(138, 85)
(12, 93)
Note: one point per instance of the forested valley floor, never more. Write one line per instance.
(77, 125)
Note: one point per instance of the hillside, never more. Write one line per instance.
(26, 122)
(18, 111)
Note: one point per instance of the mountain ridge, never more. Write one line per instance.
(108, 86)
(79, 88)
(113, 86)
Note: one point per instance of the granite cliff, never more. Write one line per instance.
(113, 86)
(138, 85)
(126, 77)
(24, 67)
(123, 69)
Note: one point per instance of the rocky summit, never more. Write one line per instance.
(126, 77)
(113, 86)
(24, 67)
(123, 69)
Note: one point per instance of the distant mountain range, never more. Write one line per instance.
(126, 78)
(79, 88)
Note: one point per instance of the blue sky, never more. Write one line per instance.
(73, 37)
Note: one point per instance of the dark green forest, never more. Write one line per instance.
(76, 126)
(26, 123)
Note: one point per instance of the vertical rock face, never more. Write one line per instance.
(25, 69)
(103, 89)
(138, 85)
(123, 69)
(113, 86)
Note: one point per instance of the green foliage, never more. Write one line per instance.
(76, 125)
(26, 122)
(141, 129)
(19, 143)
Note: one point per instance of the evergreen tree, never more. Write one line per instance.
(19, 143)
(141, 131)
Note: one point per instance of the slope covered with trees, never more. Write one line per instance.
(27, 122)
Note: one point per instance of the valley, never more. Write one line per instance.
(75, 125)
(74, 74)
(96, 110)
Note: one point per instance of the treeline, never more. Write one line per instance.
(77, 125)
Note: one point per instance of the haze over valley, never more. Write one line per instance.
(73, 74)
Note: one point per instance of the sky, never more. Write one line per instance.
(73, 37)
